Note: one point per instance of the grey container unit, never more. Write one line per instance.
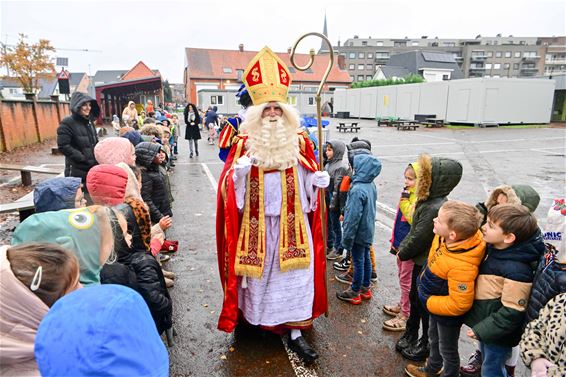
(500, 100)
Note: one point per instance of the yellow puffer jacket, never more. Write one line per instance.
(446, 285)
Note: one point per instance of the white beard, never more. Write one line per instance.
(272, 144)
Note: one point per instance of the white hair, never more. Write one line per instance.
(272, 144)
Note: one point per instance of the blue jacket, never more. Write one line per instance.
(103, 330)
(359, 214)
(55, 194)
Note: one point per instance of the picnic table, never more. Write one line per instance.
(385, 122)
(344, 127)
(406, 125)
(433, 122)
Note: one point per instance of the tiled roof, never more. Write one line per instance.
(390, 71)
(108, 76)
(75, 78)
(140, 70)
(210, 64)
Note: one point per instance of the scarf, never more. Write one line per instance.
(294, 250)
(141, 213)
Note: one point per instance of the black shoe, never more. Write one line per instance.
(418, 352)
(343, 265)
(191, 155)
(197, 154)
(407, 340)
(303, 349)
(172, 164)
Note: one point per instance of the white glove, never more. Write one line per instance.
(539, 367)
(242, 167)
(321, 179)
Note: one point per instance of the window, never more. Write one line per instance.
(292, 100)
(217, 100)
(449, 44)
(399, 44)
(360, 77)
(369, 67)
(369, 77)
(379, 43)
(352, 66)
(516, 66)
(487, 65)
(414, 43)
(489, 54)
(506, 66)
(361, 55)
(227, 70)
(311, 101)
(352, 78)
(497, 66)
(498, 54)
(370, 55)
(213, 100)
(360, 67)
(517, 54)
(240, 73)
(445, 77)
(507, 54)
(382, 55)
(529, 54)
(364, 43)
(352, 55)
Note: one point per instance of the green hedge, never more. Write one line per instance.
(411, 79)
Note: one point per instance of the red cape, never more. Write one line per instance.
(228, 228)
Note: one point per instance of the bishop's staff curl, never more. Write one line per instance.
(318, 113)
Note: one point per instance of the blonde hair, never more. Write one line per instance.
(105, 220)
(463, 218)
(59, 267)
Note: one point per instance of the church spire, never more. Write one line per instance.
(323, 46)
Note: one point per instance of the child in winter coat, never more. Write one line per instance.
(543, 344)
(437, 178)
(401, 228)
(154, 191)
(515, 194)
(446, 284)
(504, 283)
(113, 150)
(87, 232)
(33, 277)
(359, 226)
(58, 193)
(337, 168)
(126, 343)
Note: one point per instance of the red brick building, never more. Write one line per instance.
(223, 69)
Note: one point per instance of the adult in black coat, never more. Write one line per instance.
(154, 191)
(76, 136)
(192, 131)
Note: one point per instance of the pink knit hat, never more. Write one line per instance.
(106, 184)
(113, 150)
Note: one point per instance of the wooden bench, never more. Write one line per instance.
(26, 171)
(384, 122)
(404, 125)
(24, 206)
(352, 127)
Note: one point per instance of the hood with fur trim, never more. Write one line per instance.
(516, 194)
(437, 176)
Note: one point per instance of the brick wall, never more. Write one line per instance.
(29, 122)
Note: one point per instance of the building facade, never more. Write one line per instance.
(479, 57)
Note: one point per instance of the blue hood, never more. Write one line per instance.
(55, 194)
(366, 168)
(104, 330)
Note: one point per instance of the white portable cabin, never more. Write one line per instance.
(491, 100)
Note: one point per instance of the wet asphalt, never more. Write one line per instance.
(350, 341)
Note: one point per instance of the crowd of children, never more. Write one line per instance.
(115, 240)
(485, 266)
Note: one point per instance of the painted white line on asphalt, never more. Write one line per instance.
(300, 369)
(512, 140)
(436, 137)
(211, 178)
(383, 226)
(466, 142)
(199, 163)
(412, 145)
(386, 208)
(461, 153)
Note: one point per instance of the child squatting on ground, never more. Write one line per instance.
(446, 284)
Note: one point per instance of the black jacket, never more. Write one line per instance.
(549, 281)
(192, 130)
(148, 273)
(154, 190)
(76, 138)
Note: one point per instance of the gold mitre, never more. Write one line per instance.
(267, 78)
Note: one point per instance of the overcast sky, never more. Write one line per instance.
(157, 32)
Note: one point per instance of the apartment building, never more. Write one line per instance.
(478, 57)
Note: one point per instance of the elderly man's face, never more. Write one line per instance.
(85, 109)
(272, 110)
